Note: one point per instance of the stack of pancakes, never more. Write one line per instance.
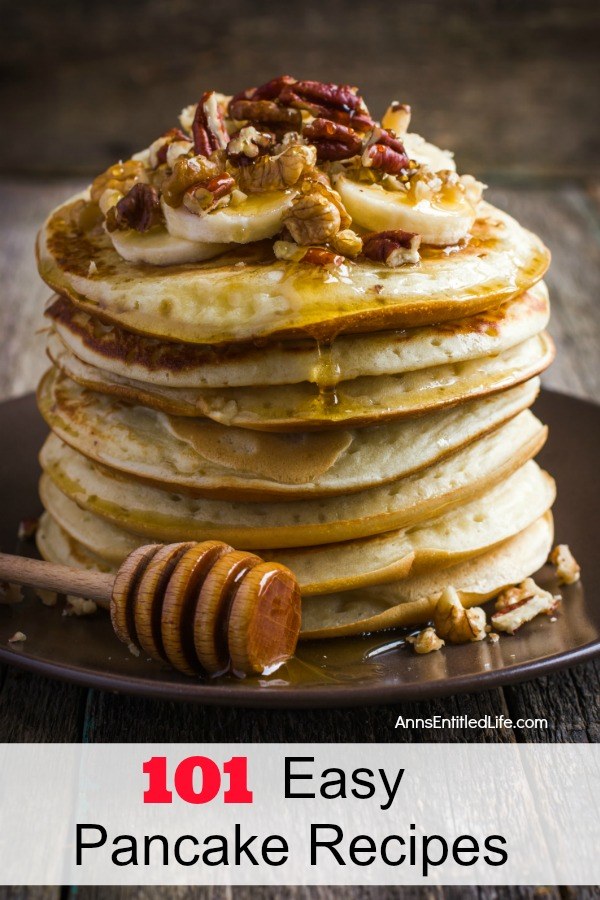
(367, 426)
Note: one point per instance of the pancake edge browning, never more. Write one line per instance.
(70, 248)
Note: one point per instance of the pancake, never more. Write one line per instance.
(302, 407)
(56, 546)
(168, 364)
(246, 293)
(460, 534)
(411, 602)
(207, 459)
(166, 516)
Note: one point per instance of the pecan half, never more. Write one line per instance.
(272, 173)
(332, 140)
(202, 198)
(208, 127)
(394, 248)
(268, 91)
(339, 96)
(186, 173)
(267, 112)
(339, 103)
(139, 209)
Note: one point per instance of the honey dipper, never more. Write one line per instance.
(202, 607)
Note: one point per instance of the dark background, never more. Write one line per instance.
(512, 87)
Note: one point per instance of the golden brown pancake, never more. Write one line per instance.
(304, 407)
(460, 534)
(168, 364)
(246, 293)
(169, 516)
(205, 458)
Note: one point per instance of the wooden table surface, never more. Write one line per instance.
(36, 709)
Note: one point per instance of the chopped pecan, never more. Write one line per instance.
(568, 569)
(397, 118)
(158, 148)
(267, 112)
(208, 127)
(318, 256)
(455, 623)
(288, 250)
(332, 140)
(312, 219)
(384, 158)
(316, 215)
(203, 198)
(18, 638)
(521, 604)
(139, 209)
(188, 172)
(120, 177)
(385, 152)
(425, 641)
(249, 143)
(27, 528)
(347, 242)
(272, 173)
(394, 248)
(320, 182)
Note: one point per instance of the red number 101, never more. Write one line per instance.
(183, 781)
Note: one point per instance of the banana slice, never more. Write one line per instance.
(159, 248)
(377, 209)
(259, 216)
(428, 154)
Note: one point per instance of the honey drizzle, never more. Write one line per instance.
(326, 376)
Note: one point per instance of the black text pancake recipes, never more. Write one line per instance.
(289, 327)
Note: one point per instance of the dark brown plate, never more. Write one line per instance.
(334, 673)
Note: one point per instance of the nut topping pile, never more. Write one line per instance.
(303, 139)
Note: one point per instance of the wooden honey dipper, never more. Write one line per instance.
(202, 607)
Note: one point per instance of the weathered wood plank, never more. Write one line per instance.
(30, 893)
(508, 87)
(322, 893)
(569, 700)
(36, 709)
(119, 718)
